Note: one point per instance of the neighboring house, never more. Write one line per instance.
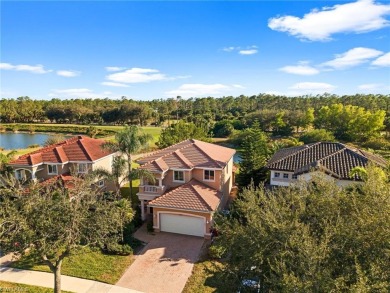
(79, 155)
(332, 158)
(193, 180)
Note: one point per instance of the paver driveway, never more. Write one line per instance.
(165, 264)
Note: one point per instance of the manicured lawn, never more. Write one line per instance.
(206, 276)
(87, 264)
(15, 287)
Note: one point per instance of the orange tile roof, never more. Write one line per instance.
(77, 148)
(187, 155)
(192, 195)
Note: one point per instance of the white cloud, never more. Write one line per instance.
(136, 75)
(199, 89)
(301, 69)
(68, 73)
(114, 68)
(383, 61)
(229, 49)
(312, 87)
(320, 24)
(369, 86)
(353, 57)
(247, 52)
(83, 93)
(29, 68)
(116, 84)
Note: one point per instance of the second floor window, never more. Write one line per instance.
(52, 169)
(285, 175)
(209, 175)
(178, 176)
(82, 168)
(277, 174)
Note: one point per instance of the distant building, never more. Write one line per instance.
(334, 159)
(79, 154)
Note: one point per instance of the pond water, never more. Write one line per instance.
(10, 140)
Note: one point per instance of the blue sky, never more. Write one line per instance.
(148, 50)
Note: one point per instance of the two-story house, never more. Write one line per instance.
(193, 180)
(79, 154)
(334, 159)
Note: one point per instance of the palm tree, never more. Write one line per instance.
(119, 173)
(129, 141)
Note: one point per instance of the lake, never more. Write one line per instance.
(10, 140)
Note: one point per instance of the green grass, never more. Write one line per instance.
(16, 287)
(206, 276)
(87, 264)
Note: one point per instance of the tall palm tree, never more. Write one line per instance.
(129, 141)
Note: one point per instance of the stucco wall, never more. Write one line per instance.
(198, 174)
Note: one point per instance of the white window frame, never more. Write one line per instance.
(82, 164)
(286, 176)
(294, 176)
(204, 175)
(179, 171)
(100, 183)
(53, 166)
(19, 174)
(277, 175)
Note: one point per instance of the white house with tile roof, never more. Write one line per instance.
(193, 180)
(334, 159)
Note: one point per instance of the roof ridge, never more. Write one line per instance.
(207, 154)
(307, 146)
(170, 153)
(336, 152)
(52, 146)
(181, 157)
(197, 193)
(84, 149)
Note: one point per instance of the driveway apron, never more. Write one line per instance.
(165, 264)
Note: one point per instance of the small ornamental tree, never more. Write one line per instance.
(51, 221)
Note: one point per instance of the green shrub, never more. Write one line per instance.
(377, 143)
(149, 226)
(33, 146)
(118, 249)
(317, 135)
(31, 128)
(216, 251)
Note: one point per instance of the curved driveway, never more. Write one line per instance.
(165, 264)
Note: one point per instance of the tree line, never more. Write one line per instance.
(157, 111)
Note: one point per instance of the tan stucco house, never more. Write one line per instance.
(193, 180)
(334, 159)
(79, 154)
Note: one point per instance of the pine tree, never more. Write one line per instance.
(254, 156)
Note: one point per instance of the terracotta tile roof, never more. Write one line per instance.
(334, 158)
(192, 195)
(187, 155)
(77, 148)
(66, 179)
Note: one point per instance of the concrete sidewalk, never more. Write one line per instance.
(71, 284)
